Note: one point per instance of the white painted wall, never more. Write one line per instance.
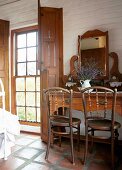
(80, 16)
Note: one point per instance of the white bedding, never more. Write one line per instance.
(9, 125)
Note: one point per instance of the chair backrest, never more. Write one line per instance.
(2, 93)
(99, 102)
(59, 101)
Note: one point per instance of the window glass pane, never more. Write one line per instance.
(21, 55)
(31, 39)
(31, 68)
(30, 99)
(38, 84)
(37, 37)
(21, 113)
(31, 115)
(38, 99)
(21, 69)
(38, 115)
(20, 84)
(21, 40)
(31, 54)
(30, 84)
(20, 98)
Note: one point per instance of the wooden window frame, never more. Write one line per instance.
(13, 76)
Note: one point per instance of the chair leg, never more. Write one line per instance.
(86, 144)
(116, 134)
(48, 143)
(112, 152)
(92, 140)
(71, 141)
(78, 137)
(60, 141)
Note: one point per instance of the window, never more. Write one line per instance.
(26, 53)
(28, 98)
(27, 76)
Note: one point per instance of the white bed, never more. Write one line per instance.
(9, 127)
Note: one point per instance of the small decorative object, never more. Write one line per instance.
(70, 82)
(85, 83)
(115, 84)
(87, 71)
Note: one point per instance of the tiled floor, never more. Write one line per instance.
(29, 153)
(26, 128)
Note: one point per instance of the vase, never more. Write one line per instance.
(85, 83)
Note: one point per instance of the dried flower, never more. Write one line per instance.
(88, 70)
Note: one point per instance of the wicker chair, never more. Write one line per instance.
(99, 111)
(59, 103)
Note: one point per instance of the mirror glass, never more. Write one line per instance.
(94, 44)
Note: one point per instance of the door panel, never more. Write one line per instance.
(50, 56)
(51, 44)
(49, 51)
(4, 58)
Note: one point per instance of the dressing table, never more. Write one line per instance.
(95, 43)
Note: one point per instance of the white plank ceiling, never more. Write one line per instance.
(20, 13)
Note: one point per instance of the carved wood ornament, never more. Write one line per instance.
(115, 70)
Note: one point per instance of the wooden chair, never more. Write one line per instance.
(59, 103)
(99, 111)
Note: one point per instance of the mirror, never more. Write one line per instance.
(94, 44)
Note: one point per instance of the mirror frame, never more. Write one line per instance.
(96, 33)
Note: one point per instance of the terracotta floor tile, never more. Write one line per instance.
(24, 141)
(35, 166)
(27, 153)
(66, 163)
(33, 136)
(16, 148)
(11, 164)
(38, 144)
(41, 158)
(100, 165)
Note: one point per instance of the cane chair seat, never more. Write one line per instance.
(104, 124)
(64, 121)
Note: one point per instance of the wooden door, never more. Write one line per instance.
(51, 44)
(4, 59)
(50, 56)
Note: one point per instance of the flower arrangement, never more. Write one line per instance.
(88, 70)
